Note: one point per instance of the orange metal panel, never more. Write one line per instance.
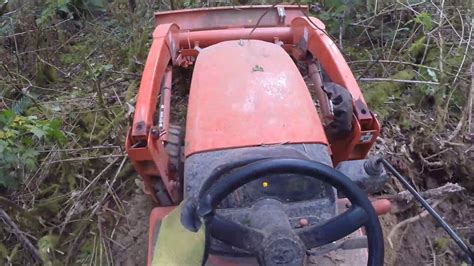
(163, 49)
(230, 17)
(248, 93)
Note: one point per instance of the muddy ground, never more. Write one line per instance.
(132, 233)
(421, 242)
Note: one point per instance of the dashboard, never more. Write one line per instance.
(286, 188)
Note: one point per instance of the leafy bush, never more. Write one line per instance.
(20, 138)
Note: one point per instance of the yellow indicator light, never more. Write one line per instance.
(265, 184)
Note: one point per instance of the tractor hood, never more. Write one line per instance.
(248, 93)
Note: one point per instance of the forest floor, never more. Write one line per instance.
(69, 74)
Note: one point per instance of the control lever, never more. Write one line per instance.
(464, 247)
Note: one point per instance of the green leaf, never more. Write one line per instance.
(325, 16)
(29, 153)
(432, 74)
(107, 67)
(30, 164)
(54, 131)
(424, 18)
(38, 132)
(341, 9)
(9, 157)
(7, 180)
(333, 3)
(21, 105)
(97, 5)
(6, 117)
(3, 146)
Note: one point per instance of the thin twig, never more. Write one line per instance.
(20, 235)
(20, 90)
(83, 149)
(87, 158)
(394, 62)
(410, 220)
(399, 80)
(433, 253)
(470, 106)
(464, 57)
(435, 193)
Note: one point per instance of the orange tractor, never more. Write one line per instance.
(266, 171)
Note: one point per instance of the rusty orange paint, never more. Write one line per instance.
(248, 93)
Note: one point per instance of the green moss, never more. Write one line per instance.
(105, 131)
(92, 120)
(376, 94)
(48, 207)
(441, 244)
(76, 54)
(355, 54)
(45, 74)
(68, 176)
(47, 244)
(432, 57)
(417, 49)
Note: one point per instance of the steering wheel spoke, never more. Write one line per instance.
(235, 234)
(334, 228)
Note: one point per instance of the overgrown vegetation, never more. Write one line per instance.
(20, 139)
(69, 71)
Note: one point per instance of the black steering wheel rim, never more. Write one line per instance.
(210, 197)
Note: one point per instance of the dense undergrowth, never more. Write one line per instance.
(68, 78)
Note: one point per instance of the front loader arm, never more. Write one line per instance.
(163, 49)
(145, 142)
(309, 36)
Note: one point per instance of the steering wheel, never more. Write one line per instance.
(280, 244)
